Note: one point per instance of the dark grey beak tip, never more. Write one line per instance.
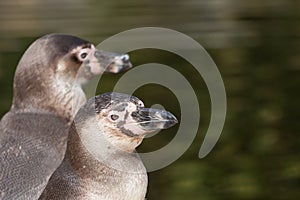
(126, 65)
(152, 119)
(113, 62)
(171, 120)
(124, 57)
(119, 64)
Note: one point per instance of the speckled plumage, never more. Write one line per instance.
(47, 94)
(100, 161)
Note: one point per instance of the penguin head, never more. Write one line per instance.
(69, 57)
(124, 121)
(77, 58)
(53, 64)
(87, 61)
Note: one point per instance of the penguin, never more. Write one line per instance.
(47, 93)
(101, 161)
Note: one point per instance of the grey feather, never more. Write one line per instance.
(100, 161)
(47, 94)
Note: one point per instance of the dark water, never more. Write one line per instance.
(256, 46)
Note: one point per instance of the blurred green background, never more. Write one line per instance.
(256, 46)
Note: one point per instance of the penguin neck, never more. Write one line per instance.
(97, 155)
(58, 97)
(68, 97)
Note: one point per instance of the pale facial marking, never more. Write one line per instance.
(86, 56)
(120, 117)
(93, 62)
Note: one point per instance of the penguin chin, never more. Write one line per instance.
(86, 72)
(95, 69)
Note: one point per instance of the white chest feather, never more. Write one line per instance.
(126, 187)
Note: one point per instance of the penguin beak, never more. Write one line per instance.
(152, 120)
(112, 62)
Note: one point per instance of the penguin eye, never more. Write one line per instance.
(140, 104)
(83, 55)
(114, 117)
